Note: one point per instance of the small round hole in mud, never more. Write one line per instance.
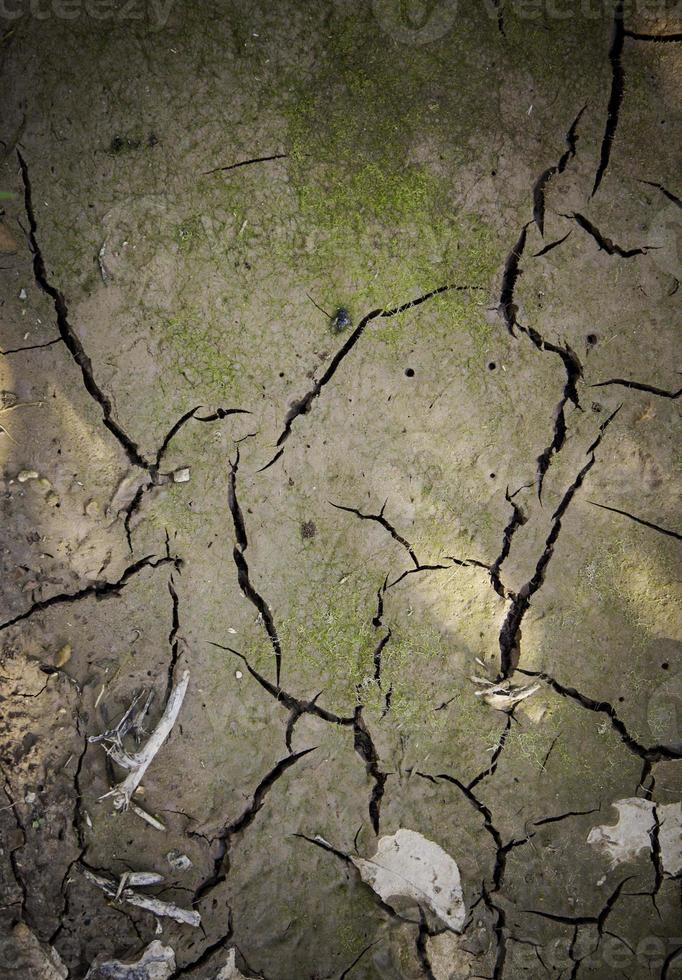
(491, 365)
(493, 475)
(591, 339)
(409, 372)
(665, 665)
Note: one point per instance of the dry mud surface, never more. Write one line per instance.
(334, 531)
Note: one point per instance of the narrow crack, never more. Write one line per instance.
(647, 776)
(347, 972)
(564, 816)
(658, 38)
(342, 856)
(296, 706)
(639, 520)
(606, 244)
(654, 753)
(378, 616)
(17, 350)
(208, 952)
(656, 855)
(158, 478)
(669, 194)
(218, 415)
(365, 748)
(173, 641)
(243, 574)
(615, 95)
(507, 308)
(495, 758)
(421, 947)
(558, 168)
(499, 7)
(552, 245)
(246, 163)
(574, 372)
(501, 852)
(535, 946)
(598, 920)
(99, 590)
(376, 657)
(518, 519)
(510, 632)
(455, 562)
(132, 509)
(303, 405)
(668, 962)
(639, 386)
(222, 841)
(383, 522)
(68, 334)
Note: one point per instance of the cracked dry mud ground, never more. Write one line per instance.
(477, 477)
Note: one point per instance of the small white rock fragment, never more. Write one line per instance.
(142, 879)
(230, 971)
(25, 475)
(156, 963)
(408, 866)
(238, 674)
(178, 861)
(631, 835)
(181, 475)
(23, 294)
(62, 656)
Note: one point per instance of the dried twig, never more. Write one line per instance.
(139, 762)
(147, 902)
(152, 821)
(503, 696)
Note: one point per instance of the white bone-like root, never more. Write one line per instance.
(152, 821)
(123, 792)
(503, 695)
(147, 902)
